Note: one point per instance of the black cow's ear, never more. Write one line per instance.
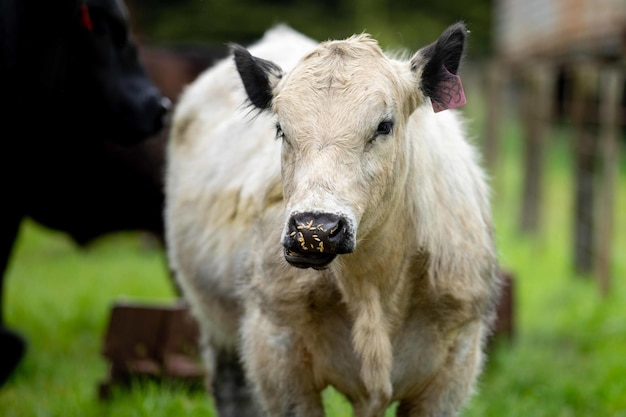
(438, 64)
(259, 76)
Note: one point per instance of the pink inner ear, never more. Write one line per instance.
(450, 92)
(85, 19)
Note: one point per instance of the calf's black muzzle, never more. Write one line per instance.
(313, 240)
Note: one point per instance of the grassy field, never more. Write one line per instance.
(568, 357)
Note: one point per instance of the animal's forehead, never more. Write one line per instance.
(355, 48)
(355, 69)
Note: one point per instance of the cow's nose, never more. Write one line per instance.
(162, 112)
(314, 239)
(320, 232)
(166, 104)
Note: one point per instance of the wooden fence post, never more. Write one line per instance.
(584, 113)
(495, 101)
(611, 87)
(536, 107)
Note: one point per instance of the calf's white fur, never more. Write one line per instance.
(400, 308)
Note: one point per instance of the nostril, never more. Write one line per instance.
(336, 230)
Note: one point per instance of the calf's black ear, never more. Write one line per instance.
(439, 64)
(259, 76)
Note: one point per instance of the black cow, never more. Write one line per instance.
(71, 89)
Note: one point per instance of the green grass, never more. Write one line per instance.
(569, 354)
(568, 357)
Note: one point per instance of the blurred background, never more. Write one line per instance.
(397, 23)
(544, 81)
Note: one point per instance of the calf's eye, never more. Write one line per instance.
(279, 132)
(384, 128)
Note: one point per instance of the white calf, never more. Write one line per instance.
(340, 234)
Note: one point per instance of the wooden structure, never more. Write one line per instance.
(153, 341)
(559, 29)
(504, 326)
(569, 58)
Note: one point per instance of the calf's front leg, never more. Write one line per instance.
(277, 369)
(453, 382)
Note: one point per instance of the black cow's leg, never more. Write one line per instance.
(232, 395)
(13, 349)
(13, 345)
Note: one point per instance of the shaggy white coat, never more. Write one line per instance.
(404, 317)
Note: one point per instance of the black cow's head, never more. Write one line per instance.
(108, 89)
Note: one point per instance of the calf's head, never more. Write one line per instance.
(342, 115)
